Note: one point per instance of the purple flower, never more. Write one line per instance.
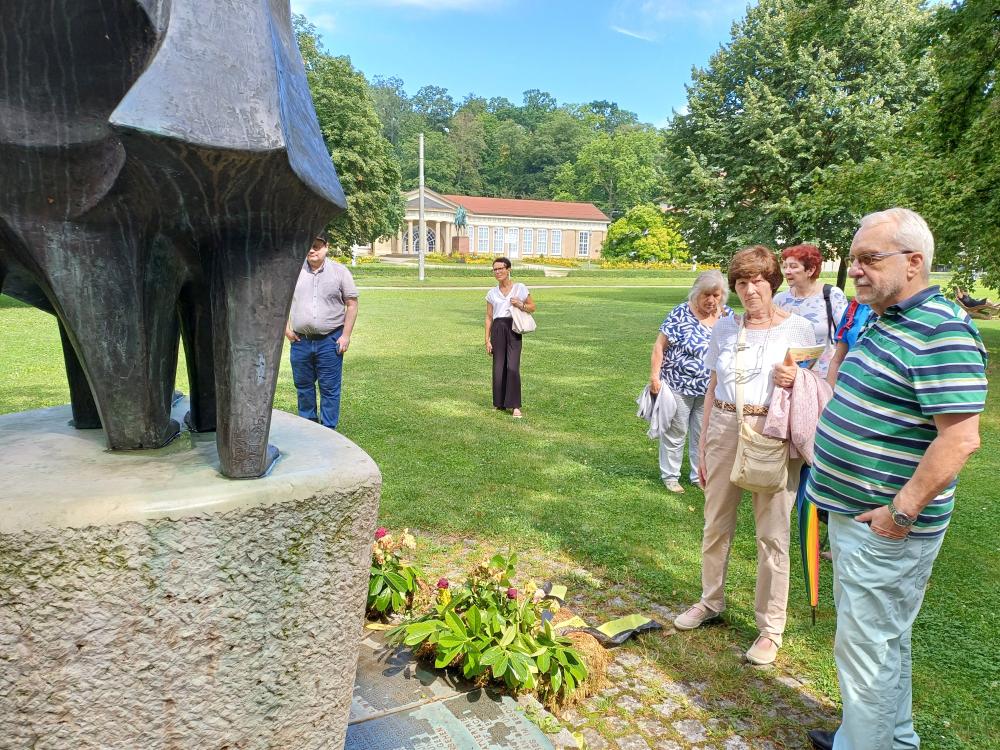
(442, 583)
(380, 532)
(512, 593)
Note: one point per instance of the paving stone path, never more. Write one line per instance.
(643, 707)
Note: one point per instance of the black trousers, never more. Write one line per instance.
(506, 364)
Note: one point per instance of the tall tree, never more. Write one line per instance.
(607, 117)
(435, 105)
(614, 171)
(468, 137)
(962, 121)
(804, 90)
(394, 109)
(364, 159)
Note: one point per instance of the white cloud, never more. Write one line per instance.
(633, 34)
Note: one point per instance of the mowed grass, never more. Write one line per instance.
(579, 476)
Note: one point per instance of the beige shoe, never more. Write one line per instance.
(763, 651)
(673, 485)
(695, 617)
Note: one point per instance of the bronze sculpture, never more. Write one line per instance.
(161, 175)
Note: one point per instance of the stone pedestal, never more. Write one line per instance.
(460, 245)
(148, 602)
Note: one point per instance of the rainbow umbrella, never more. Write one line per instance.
(808, 541)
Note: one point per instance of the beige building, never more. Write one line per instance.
(501, 226)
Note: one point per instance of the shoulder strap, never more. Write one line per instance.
(740, 342)
(830, 324)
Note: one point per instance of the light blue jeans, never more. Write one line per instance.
(878, 587)
(685, 424)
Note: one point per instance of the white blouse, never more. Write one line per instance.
(765, 349)
(501, 301)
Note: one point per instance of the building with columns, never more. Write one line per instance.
(500, 226)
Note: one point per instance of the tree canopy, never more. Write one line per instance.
(594, 152)
(804, 90)
(366, 165)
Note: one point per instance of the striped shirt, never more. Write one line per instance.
(923, 357)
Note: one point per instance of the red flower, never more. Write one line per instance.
(512, 593)
(442, 583)
(380, 532)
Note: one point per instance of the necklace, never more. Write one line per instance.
(743, 376)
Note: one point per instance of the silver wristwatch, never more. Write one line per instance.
(899, 518)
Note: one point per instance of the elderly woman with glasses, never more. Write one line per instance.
(502, 342)
(678, 360)
(764, 334)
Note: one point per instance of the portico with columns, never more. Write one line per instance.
(500, 226)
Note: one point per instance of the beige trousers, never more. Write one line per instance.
(772, 520)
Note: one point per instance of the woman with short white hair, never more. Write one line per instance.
(678, 360)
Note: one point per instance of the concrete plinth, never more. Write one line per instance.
(148, 602)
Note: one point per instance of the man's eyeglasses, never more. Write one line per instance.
(870, 259)
(500, 268)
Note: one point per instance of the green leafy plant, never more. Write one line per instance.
(393, 583)
(494, 632)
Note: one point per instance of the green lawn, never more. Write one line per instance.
(578, 476)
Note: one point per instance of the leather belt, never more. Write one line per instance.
(749, 410)
(312, 336)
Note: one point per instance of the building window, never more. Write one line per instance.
(510, 248)
(471, 234)
(483, 245)
(431, 241)
(498, 241)
(557, 242)
(543, 241)
(528, 242)
(583, 244)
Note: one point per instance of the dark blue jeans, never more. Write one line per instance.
(318, 361)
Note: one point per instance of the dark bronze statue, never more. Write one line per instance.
(162, 173)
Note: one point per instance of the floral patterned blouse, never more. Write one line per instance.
(683, 368)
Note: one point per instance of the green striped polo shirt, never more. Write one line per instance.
(921, 358)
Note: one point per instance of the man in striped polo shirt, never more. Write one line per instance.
(903, 421)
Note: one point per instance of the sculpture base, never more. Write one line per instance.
(148, 602)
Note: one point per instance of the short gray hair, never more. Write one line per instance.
(709, 281)
(912, 232)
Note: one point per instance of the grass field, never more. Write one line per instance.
(578, 476)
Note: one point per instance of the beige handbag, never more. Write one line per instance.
(761, 463)
(523, 322)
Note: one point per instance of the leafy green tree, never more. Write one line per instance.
(614, 171)
(394, 110)
(435, 105)
(607, 117)
(646, 235)
(352, 132)
(440, 162)
(536, 107)
(958, 189)
(468, 138)
(804, 91)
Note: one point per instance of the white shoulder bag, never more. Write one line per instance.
(523, 322)
(761, 463)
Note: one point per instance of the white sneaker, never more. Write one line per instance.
(695, 617)
(673, 485)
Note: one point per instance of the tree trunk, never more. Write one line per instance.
(842, 273)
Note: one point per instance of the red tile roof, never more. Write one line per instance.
(528, 208)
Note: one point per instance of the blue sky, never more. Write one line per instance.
(638, 53)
